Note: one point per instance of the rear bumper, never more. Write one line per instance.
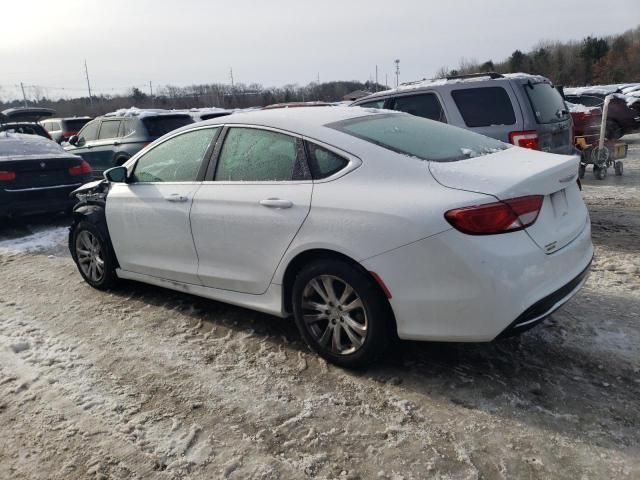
(456, 287)
(25, 201)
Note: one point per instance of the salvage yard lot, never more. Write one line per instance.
(143, 382)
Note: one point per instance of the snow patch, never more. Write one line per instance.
(35, 242)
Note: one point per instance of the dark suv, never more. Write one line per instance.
(623, 115)
(112, 139)
(525, 110)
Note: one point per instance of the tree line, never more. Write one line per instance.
(591, 61)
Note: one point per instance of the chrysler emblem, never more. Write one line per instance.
(42, 164)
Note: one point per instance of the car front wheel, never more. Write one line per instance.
(341, 313)
(93, 256)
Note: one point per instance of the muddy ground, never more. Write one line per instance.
(142, 382)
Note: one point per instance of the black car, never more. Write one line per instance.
(25, 120)
(37, 175)
(112, 139)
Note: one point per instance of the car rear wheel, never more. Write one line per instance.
(619, 167)
(341, 313)
(93, 256)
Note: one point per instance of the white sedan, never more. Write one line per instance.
(364, 224)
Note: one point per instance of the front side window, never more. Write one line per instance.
(484, 107)
(324, 163)
(109, 129)
(375, 104)
(419, 138)
(176, 160)
(425, 105)
(88, 133)
(253, 155)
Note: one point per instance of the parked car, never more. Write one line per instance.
(62, 129)
(362, 224)
(624, 112)
(525, 110)
(586, 121)
(201, 114)
(112, 139)
(25, 120)
(37, 175)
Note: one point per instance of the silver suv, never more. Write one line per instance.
(525, 110)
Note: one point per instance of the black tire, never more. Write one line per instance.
(108, 278)
(619, 167)
(374, 314)
(600, 172)
(613, 130)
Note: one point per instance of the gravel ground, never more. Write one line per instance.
(142, 382)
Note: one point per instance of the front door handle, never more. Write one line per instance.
(176, 197)
(276, 203)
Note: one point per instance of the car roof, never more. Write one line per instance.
(308, 121)
(57, 119)
(134, 112)
(425, 84)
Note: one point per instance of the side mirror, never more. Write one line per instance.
(73, 140)
(116, 174)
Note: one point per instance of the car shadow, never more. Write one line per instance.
(540, 378)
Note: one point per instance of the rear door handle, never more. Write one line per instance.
(276, 203)
(176, 197)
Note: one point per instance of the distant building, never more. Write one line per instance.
(355, 95)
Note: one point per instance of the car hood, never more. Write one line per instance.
(26, 114)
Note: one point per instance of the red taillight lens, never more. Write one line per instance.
(499, 217)
(7, 176)
(83, 169)
(527, 139)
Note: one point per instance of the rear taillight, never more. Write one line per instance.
(83, 169)
(499, 217)
(7, 176)
(526, 139)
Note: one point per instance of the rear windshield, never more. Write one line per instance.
(547, 102)
(27, 145)
(419, 137)
(75, 125)
(158, 126)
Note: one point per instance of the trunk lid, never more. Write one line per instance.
(26, 114)
(518, 172)
(41, 171)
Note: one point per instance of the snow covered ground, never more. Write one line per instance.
(142, 382)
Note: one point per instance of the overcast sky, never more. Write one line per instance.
(276, 42)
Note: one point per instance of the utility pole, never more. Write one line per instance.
(24, 97)
(231, 75)
(318, 80)
(386, 80)
(375, 88)
(153, 100)
(86, 72)
(397, 62)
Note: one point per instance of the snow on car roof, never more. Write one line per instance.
(597, 89)
(19, 144)
(142, 113)
(435, 82)
(579, 108)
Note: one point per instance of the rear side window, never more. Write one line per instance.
(483, 107)
(109, 129)
(324, 163)
(546, 102)
(253, 155)
(419, 138)
(425, 105)
(128, 127)
(158, 126)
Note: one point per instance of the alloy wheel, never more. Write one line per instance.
(90, 256)
(334, 314)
